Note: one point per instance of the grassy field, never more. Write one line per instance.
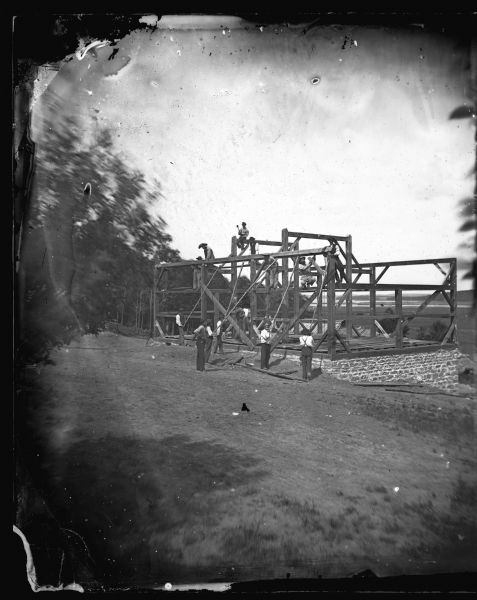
(143, 457)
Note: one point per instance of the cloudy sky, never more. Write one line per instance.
(342, 130)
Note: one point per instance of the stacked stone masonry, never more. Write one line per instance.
(437, 368)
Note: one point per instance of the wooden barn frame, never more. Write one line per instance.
(336, 283)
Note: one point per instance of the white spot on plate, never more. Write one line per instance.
(167, 586)
(396, 489)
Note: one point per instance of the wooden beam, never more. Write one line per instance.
(422, 306)
(316, 236)
(448, 333)
(203, 298)
(331, 328)
(245, 259)
(285, 272)
(303, 309)
(343, 298)
(438, 266)
(372, 300)
(245, 339)
(381, 274)
(396, 263)
(349, 299)
(378, 325)
(398, 309)
(296, 290)
(342, 341)
(253, 291)
(268, 243)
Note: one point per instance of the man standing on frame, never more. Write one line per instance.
(265, 347)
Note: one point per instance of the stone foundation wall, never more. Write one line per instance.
(438, 368)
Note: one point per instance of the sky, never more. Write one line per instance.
(342, 130)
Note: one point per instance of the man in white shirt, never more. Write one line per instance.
(200, 336)
(180, 326)
(219, 347)
(265, 347)
(208, 252)
(209, 340)
(243, 235)
(306, 344)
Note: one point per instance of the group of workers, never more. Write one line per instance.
(204, 339)
(204, 335)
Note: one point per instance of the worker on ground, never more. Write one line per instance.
(265, 347)
(243, 233)
(200, 337)
(246, 320)
(180, 327)
(209, 339)
(306, 344)
(208, 252)
(219, 332)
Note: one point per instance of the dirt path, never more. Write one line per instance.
(143, 456)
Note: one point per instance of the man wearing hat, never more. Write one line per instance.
(306, 343)
(208, 252)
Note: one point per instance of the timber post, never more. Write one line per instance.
(398, 311)
(349, 289)
(285, 273)
(296, 291)
(203, 297)
(372, 301)
(330, 301)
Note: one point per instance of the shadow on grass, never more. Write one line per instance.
(128, 497)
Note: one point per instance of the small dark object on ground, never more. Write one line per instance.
(245, 407)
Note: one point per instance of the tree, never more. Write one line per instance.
(91, 241)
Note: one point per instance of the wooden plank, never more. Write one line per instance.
(296, 289)
(253, 292)
(448, 333)
(268, 243)
(372, 300)
(342, 341)
(438, 266)
(303, 309)
(316, 236)
(422, 306)
(381, 329)
(395, 263)
(423, 393)
(343, 298)
(245, 339)
(363, 287)
(203, 298)
(280, 376)
(381, 274)
(285, 283)
(331, 337)
(399, 324)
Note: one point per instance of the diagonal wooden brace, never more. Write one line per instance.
(245, 339)
(278, 338)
